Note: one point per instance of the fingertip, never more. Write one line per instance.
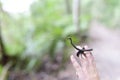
(90, 57)
(83, 56)
(88, 54)
(72, 58)
(79, 47)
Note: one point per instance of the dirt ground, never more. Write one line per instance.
(106, 45)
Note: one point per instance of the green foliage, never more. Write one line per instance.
(51, 26)
(1, 68)
(31, 37)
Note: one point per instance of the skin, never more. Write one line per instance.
(86, 69)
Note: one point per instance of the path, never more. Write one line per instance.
(106, 45)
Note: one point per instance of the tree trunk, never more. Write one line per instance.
(4, 57)
(76, 14)
(68, 6)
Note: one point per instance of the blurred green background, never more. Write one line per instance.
(32, 40)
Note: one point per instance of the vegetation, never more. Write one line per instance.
(27, 38)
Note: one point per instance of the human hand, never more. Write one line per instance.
(86, 69)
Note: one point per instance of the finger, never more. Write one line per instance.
(75, 63)
(90, 58)
(78, 47)
(86, 47)
(84, 64)
(83, 61)
(77, 74)
(89, 54)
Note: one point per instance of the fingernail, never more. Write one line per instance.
(83, 56)
(88, 54)
(72, 58)
(79, 47)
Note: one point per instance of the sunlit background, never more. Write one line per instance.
(34, 44)
(16, 6)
